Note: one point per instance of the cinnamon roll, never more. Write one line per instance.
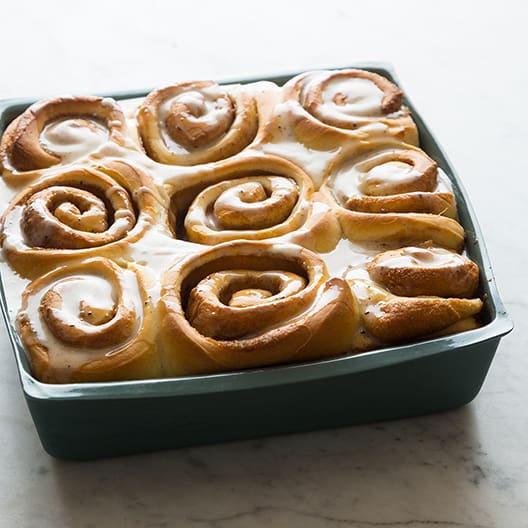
(425, 270)
(89, 321)
(196, 122)
(393, 319)
(250, 198)
(76, 214)
(393, 180)
(58, 131)
(393, 193)
(335, 106)
(249, 304)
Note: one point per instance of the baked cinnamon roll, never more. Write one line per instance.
(196, 122)
(89, 321)
(393, 319)
(393, 180)
(250, 198)
(334, 106)
(393, 193)
(249, 304)
(425, 270)
(57, 132)
(77, 214)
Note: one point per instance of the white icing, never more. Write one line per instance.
(315, 163)
(360, 97)
(347, 255)
(72, 138)
(95, 292)
(283, 142)
(390, 172)
(358, 176)
(14, 238)
(13, 285)
(158, 248)
(443, 184)
(423, 257)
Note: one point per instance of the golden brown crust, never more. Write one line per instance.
(203, 123)
(402, 228)
(416, 202)
(410, 318)
(291, 324)
(67, 346)
(393, 319)
(21, 150)
(234, 304)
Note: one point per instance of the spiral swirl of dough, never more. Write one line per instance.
(339, 105)
(89, 321)
(247, 304)
(58, 131)
(343, 99)
(76, 214)
(392, 180)
(392, 194)
(250, 198)
(196, 122)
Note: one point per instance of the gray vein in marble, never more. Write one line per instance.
(259, 510)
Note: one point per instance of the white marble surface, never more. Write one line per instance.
(464, 65)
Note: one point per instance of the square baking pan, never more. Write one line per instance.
(91, 420)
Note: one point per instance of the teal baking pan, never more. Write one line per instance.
(86, 421)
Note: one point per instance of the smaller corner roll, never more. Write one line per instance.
(396, 319)
(58, 132)
(89, 321)
(425, 270)
(249, 304)
(76, 214)
(334, 105)
(196, 122)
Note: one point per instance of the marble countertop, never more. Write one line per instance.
(464, 66)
